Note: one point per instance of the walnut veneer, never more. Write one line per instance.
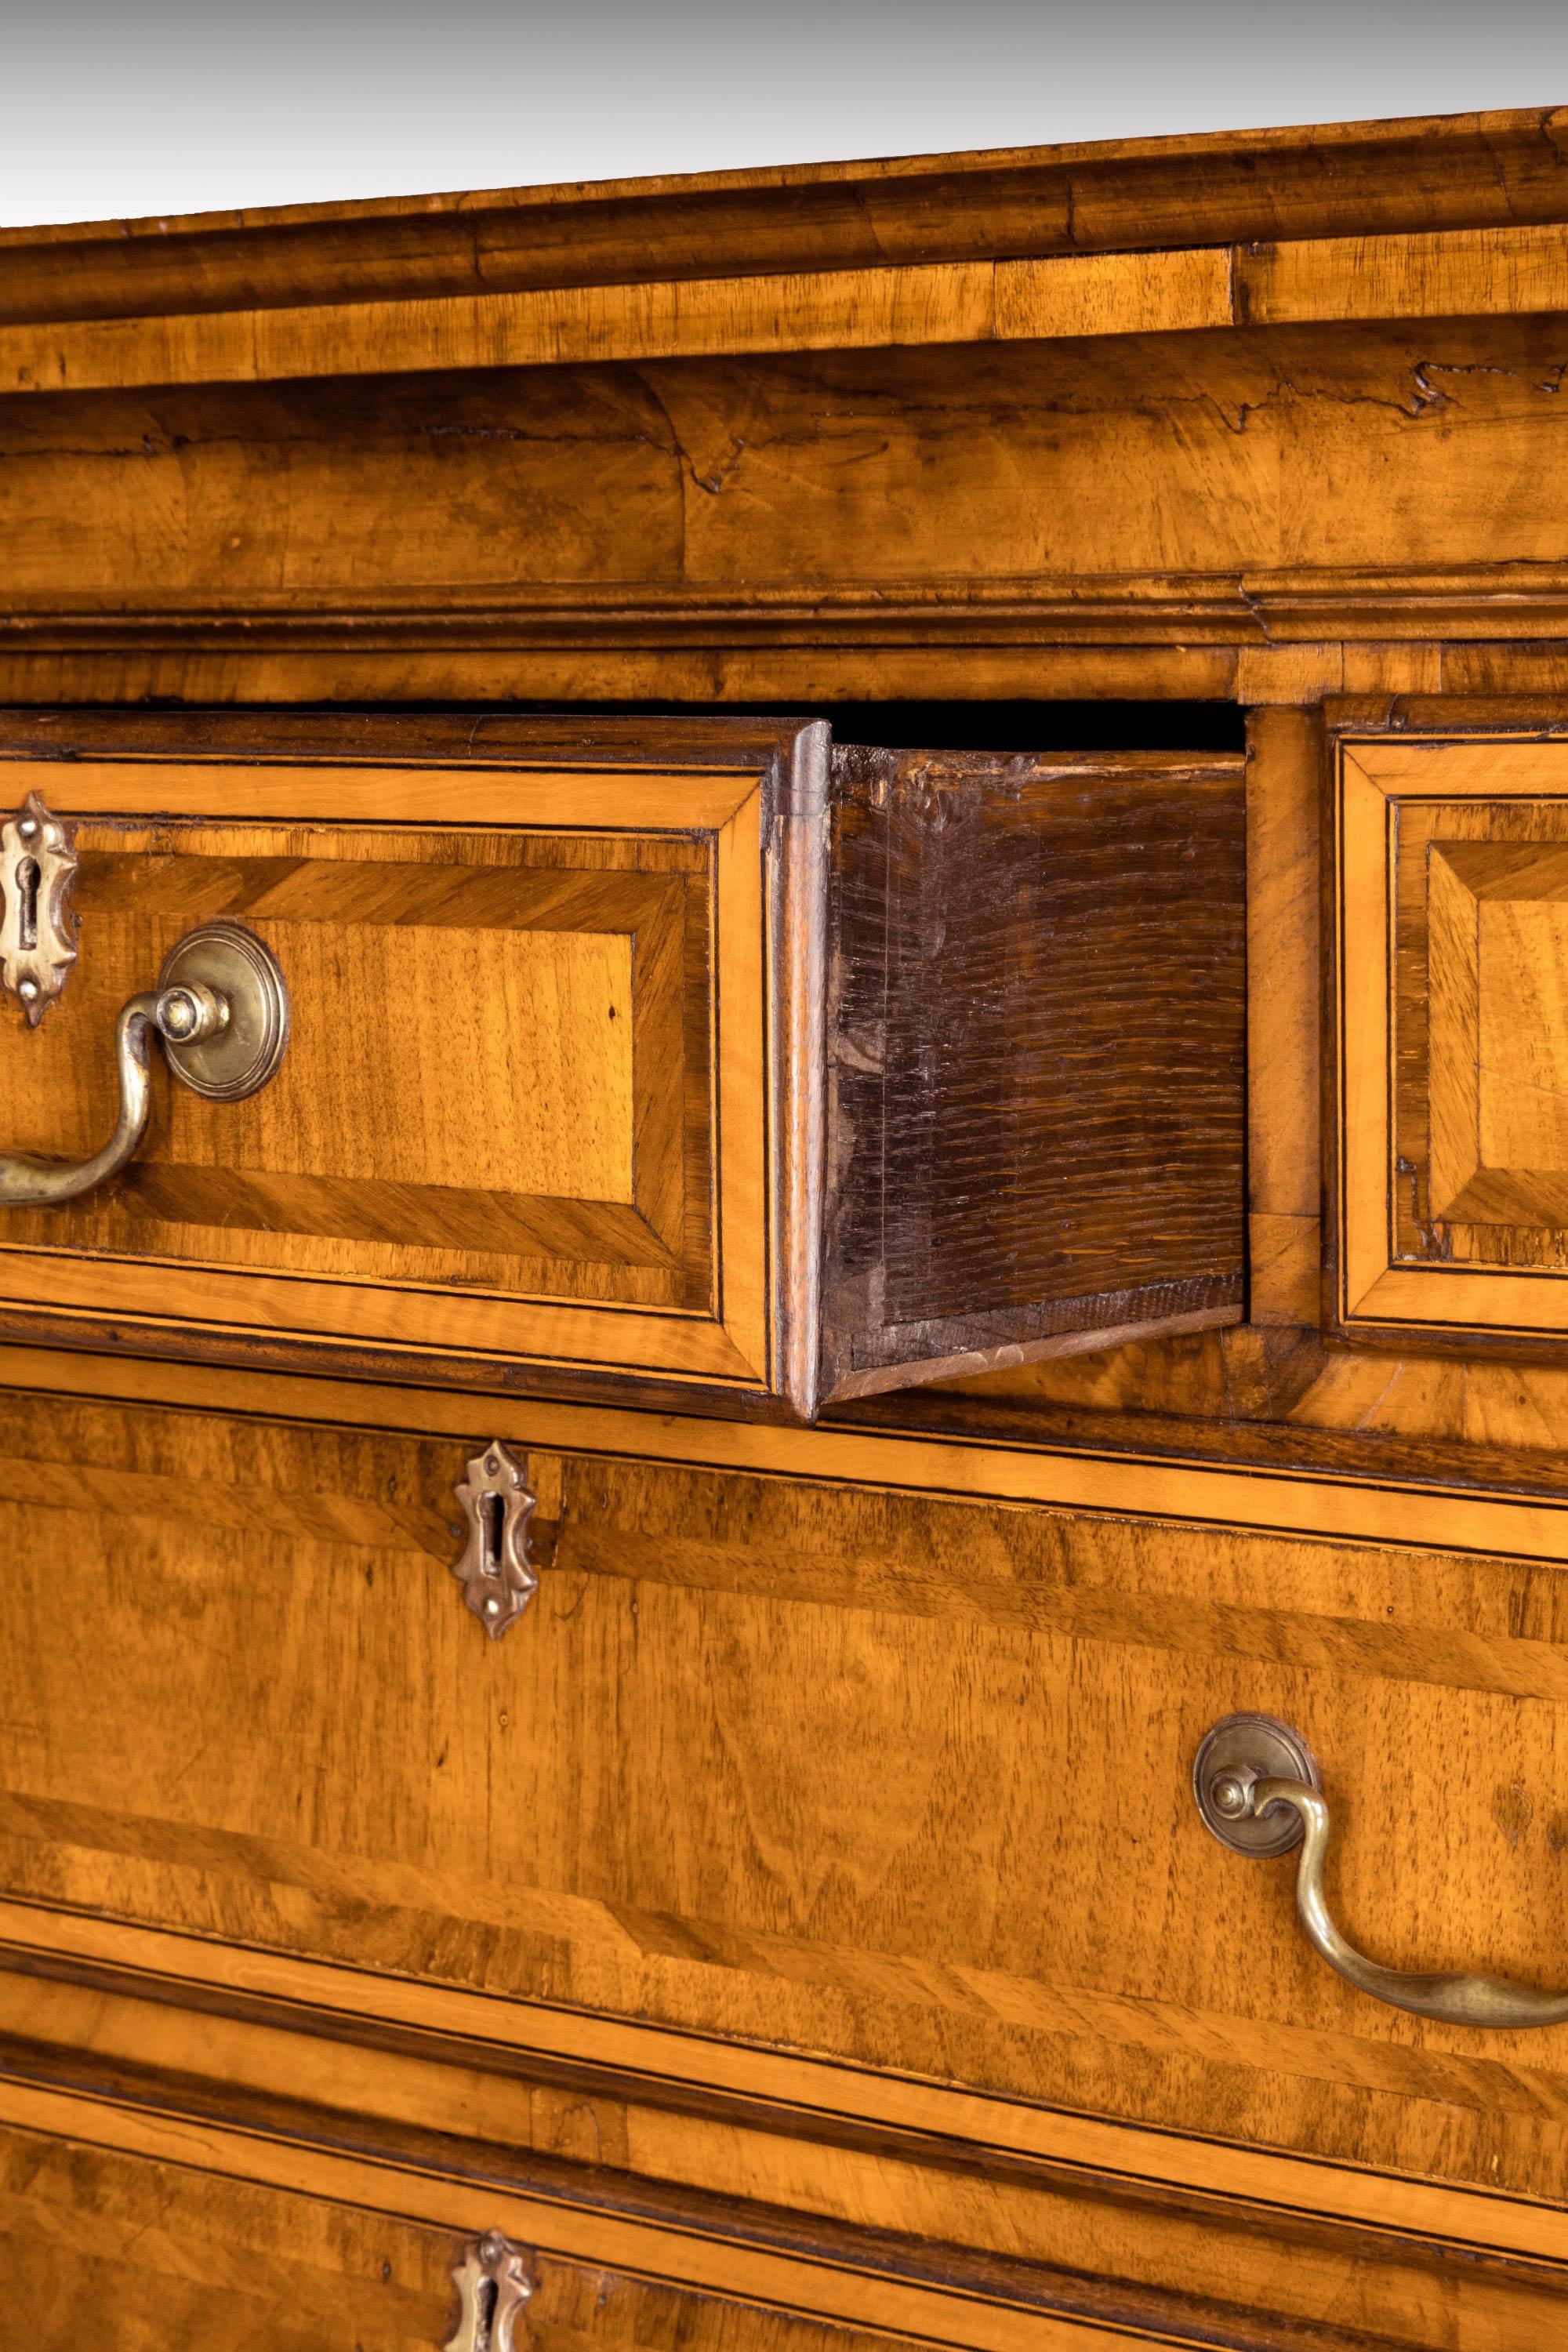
(963, 1245)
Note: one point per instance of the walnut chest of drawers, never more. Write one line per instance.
(783, 1261)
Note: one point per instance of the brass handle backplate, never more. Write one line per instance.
(221, 1009)
(1257, 1786)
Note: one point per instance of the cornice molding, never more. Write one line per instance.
(1457, 171)
(1508, 602)
(1479, 273)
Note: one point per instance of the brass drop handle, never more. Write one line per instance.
(221, 1009)
(1256, 1786)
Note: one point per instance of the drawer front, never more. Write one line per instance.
(896, 1779)
(525, 1108)
(128, 2252)
(1448, 939)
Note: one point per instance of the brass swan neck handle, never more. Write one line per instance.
(27, 1183)
(221, 1009)
(1256, 1784)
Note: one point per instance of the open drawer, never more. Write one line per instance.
(674, 1053)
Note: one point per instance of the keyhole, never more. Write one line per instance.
(486, 2291)
(492, 1528)
(27, 903)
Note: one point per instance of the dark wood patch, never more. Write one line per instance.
(1037, 1009)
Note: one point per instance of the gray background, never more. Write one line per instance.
(134, 107)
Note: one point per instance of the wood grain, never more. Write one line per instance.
(1034, 1127)
(1360, 1449)
(847, 1770)
(789, 524)
(164, 665)
(527, 1023)
(616, 1059)
(1453, 1053)
(137, 1974)
(736, 2286)
(1078, 2243)
(178, 2235)
(1456, 170)
(1524, 1035)
(1283, 1015)
(799, 1928)
(1509, 271)
(1452, 1036)
(1442, 275)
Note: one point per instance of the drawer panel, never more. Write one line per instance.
(524, 1112)
(1448, 1039)
(155, 2255)
(898, 1778)
(1076, 2230)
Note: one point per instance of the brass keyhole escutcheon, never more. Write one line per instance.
(38, 929)
(497, 1577)
(494, 2279)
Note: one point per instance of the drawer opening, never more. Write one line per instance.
(944, 726)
